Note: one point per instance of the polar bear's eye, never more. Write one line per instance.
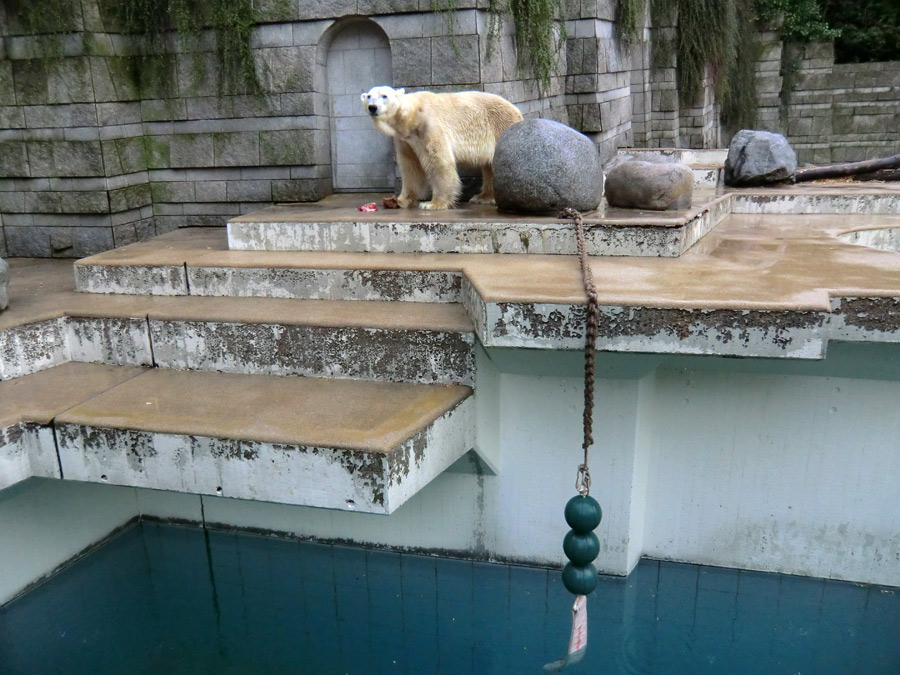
(384, 96)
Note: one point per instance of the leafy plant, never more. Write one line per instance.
(870, 30)
(802, 20)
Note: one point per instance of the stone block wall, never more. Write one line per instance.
(598, 76)
(89, 162)
(831, 112)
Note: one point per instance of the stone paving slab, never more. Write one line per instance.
(353, 445)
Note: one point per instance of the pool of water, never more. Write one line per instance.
(173, 600)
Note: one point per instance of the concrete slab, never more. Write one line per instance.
(28, 406)
(334, 224)
(364, 446)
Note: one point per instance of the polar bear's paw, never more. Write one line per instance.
(436, 205)
(407, 202)
(481, 199)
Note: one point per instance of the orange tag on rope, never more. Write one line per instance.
(577, 639)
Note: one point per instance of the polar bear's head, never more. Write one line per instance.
(382, 101)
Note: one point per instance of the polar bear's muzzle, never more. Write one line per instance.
(373, 109)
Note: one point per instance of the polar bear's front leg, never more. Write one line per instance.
(440, 167)
(412, 176)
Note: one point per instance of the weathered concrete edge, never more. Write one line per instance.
(335, 478)
(391, 355)
(326, 284)
(132, 279)
(814, 204)
(794, 334)
(557, 238)
(27, 450)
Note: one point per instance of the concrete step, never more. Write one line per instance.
(409, 341)
(196, 261)
(334, 224)
(394, 342)
(28, 407)
(352, 445)
(340, 444)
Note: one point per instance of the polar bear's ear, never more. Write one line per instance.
(400, 92)
(364, 96)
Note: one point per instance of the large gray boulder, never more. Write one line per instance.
(542, 166)
(4, 284)
(759, 158)
(654, 185)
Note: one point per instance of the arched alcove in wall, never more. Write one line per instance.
(357, 59)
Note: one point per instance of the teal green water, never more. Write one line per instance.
(168, 600)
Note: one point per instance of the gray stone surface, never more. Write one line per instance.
(542, 166)
(759, 158)
(4, 284)
(654, 185)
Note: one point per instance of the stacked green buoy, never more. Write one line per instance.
(581, 545)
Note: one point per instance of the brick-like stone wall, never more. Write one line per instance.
(831, 112)
(89, 162)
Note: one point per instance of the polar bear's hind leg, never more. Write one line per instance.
(486, 196)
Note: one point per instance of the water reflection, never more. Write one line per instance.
(173, 600)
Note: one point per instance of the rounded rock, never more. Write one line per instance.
(541, 166)
(579, 580)
(759, 158)
(583, 514)
(654, 185)
(581, 549)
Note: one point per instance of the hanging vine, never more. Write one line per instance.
(629, 20)
(540, 34)
(159, 27)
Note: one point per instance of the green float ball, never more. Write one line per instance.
(579, 580)
(581, 549)
(583, 514)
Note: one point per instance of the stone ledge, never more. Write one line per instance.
(361, 446)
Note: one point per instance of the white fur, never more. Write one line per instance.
(434, 132)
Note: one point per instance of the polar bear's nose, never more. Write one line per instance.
(373, 109)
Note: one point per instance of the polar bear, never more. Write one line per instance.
(434, 132)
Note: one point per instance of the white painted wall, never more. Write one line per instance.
(744, 463)
(46, 522)
(773, 472)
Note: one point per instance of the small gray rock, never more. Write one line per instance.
(4, 284)
(657, 186)
(759, 158)
(542, 166)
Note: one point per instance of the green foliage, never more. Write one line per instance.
(540, 33)
(803, 20)
(707, 34)
(629, 15)
(870, 30)
(711, 33)
(159, 27)
(738, 96)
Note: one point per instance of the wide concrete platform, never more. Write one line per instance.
(760, 284)
(334, 224)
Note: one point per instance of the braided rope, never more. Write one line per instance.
(583, 481)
